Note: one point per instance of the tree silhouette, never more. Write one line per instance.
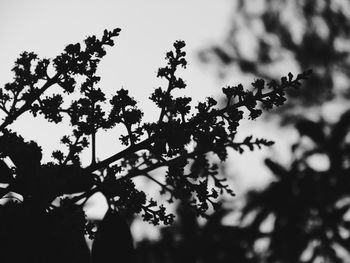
(307, 207)
(301, 216)
(284, 34)
(35, 229)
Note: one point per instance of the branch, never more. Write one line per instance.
(27, 105)
(144, 144)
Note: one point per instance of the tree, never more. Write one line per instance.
(306, 208)
(301, 216)
(179, 141)
(269, 36)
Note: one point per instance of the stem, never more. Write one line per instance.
(93, 134)
(86, 195)
(4, 109)
(159, 183)
(93, 147)
(27, 105)
(71, 153)
(170, 87)
(131, 149)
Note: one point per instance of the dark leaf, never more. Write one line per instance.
(341, 128)
(276, 168)
(311, 129)
(5, 173)
(113, 242)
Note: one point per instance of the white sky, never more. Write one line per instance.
(148, 30)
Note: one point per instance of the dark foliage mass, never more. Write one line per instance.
(307, 206)
(283, 34)
(36, 229)
(303, 215)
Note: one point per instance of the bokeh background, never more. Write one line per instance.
(292, 200)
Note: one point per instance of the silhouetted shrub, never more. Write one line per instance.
(38, 230)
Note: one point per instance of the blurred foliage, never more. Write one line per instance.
(303, 215)
(307, 206)
(190, 242)
(269, 37)
(42, 215)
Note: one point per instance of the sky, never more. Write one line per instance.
(148, 30)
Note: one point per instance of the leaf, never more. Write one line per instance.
(276, 168)
(113, 242)
(5, 173)
(311, 129)
(340, 129)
